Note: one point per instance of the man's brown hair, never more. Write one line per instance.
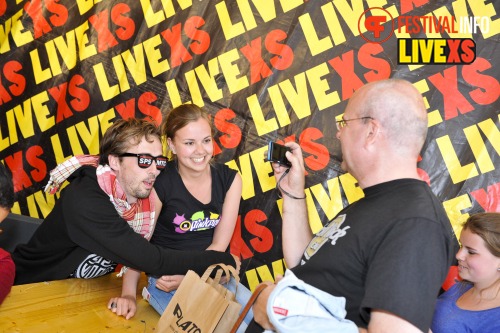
(125, 133)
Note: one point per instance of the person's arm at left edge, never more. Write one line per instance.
(7, 273)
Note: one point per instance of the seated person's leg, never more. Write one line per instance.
(158, 299)
(242, 295)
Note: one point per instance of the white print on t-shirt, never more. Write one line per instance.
(331, 231)
(93, 266)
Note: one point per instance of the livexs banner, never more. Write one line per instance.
(266, 70)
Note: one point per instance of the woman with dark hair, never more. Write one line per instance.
(473, 305)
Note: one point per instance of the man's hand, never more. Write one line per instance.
(123, 306)
(294, 182)
(260, 307)
(169, 282)
(296, 231)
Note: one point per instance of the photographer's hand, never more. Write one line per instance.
(296, 232)
(291, 184)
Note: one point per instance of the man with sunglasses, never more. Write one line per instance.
(106, 215)
(384, 256)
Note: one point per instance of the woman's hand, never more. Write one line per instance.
(169, 282)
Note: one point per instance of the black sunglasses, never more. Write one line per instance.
(145, 160)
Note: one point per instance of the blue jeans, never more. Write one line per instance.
(159, 299)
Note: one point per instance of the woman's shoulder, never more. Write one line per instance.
(222, 169)
(456, 290)
(219, 166)
(223, 173)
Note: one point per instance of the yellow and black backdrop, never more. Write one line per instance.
(265, 70)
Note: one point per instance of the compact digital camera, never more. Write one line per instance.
(276, 153)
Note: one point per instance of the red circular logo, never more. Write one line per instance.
(375, 32)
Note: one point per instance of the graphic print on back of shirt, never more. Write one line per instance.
(93, 266)
(197, 222)
(331, 231)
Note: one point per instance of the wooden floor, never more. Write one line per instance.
(73, 305)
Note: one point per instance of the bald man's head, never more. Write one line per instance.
(400, 109)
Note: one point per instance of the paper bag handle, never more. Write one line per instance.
(228, 271)
(247, 307)
(233, 272)
(210, 269)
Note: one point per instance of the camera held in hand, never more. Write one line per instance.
(276, 154)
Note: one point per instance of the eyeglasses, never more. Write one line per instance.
(343, 122)
(145, 160)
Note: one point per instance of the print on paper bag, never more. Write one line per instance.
(185, 325)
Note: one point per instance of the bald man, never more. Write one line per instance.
(389, 252)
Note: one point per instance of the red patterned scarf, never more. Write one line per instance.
(139, 215)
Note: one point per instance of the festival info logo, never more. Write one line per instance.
(379, 26)
(373, 28)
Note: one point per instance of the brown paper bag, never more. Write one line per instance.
(201, 304)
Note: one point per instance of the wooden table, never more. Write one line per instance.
(73, 305)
